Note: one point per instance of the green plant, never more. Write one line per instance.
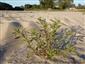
(49, 40)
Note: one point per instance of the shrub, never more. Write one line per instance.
(50, 40)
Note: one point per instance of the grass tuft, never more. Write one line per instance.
(51, 40)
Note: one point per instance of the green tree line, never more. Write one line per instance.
(44, 4)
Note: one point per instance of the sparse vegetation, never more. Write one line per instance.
(50, 40)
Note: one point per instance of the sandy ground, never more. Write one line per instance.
(28, 18)
(69, 18)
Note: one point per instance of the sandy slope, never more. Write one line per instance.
(27, 19)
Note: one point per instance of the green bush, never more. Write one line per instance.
(50, 40)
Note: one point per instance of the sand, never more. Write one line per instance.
(27, 19)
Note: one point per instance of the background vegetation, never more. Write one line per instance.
(44, 4)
